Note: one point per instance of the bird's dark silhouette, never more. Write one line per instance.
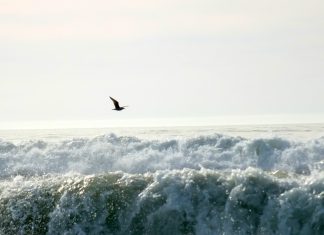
(116, 104)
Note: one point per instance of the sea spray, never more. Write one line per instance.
(133, 155)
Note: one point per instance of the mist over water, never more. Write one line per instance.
(171, 181)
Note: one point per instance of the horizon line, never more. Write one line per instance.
(229, 120)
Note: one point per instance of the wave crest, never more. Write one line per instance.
(183, 201)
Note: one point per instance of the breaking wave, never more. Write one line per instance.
(125, 185)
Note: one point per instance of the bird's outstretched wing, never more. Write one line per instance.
(115, 103)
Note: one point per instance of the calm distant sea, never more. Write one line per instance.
(291, 131)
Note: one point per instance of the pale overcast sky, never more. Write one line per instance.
(61, 60)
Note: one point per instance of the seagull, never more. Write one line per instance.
(117, 107)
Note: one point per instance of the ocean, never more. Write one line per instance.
(254, 179)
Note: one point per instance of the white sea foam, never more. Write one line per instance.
(134, 155)
(207, 184)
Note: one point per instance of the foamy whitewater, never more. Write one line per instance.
(207, 180)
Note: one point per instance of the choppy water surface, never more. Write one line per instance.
(163, 181)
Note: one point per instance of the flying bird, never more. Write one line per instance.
(116, 104)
